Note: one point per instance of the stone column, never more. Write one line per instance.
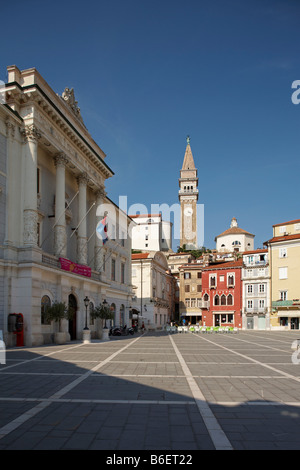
(31, 136)
(99, 251)
(11, 222)
(82, 230)
(60, 236)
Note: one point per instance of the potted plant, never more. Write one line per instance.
(103, 312)
(57, 312)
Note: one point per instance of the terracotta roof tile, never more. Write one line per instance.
(139, 255)
(283, 238)
(234, 230)
(226, 265)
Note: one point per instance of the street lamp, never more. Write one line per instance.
(86, 303)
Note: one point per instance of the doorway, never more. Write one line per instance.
(250, 323)
(72, 321)
(294, 323)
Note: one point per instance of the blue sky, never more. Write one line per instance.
(148, 73)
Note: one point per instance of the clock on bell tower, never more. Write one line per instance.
(188, 197)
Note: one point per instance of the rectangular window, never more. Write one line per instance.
(250, 303)
(199, 275)
(187, 288)
(282, 229)
(113, 269)
(283, 273)
(261, 288)
(230, 280)
(283, 295)
(187, 302)
(250, 288)
(187, 275)
(193, 302)
(122, 273)
(199, 288)
(261, 304)
(282, 253)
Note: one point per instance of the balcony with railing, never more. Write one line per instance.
(53, 262)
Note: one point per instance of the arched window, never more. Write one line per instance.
(205, 297)
(229, 300)
(45, 302)
(217, 300)
(223, 299)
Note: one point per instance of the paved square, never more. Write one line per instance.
(157, 391)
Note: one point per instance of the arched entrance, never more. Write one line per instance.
(72, 322)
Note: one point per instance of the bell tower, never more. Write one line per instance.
(188, 197)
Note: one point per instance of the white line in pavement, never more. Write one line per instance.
(215, 431)
(8, 428)
(38, 358)
(297, 379)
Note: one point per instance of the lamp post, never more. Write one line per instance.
(104, 305)
(86, 330)
(105, 333)
(86, 303)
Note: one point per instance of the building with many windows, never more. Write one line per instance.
(52, 197)
(256, 290)
(154, 288)
(222, 290)
(151, 233)
(284, 257)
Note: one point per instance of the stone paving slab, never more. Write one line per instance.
(156, 392)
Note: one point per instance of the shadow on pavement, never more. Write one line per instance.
(110, 412)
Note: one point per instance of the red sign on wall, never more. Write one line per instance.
(68, 265)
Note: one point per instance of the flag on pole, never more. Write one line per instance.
(101, 229)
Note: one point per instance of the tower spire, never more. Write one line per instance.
(188, 161)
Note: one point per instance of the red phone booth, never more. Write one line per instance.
(16, 326)
(20, 329)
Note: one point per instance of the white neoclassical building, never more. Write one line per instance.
(52, 196)
(151, 233)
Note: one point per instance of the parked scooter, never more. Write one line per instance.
(121, 331)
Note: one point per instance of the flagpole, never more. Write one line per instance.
(50, 232)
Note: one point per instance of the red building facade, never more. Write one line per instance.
(222, 293)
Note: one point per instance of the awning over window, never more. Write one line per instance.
(289, 313)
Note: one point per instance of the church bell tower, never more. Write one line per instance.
(188, 197)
